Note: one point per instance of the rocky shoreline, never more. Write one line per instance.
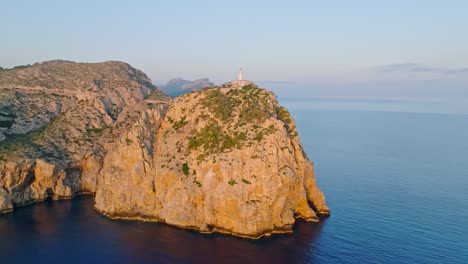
(223, 159)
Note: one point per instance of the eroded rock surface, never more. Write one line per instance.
(222, 159)
(57, 119)
(218, 160)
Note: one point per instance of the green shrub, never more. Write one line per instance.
(197, 183)
(283, 114)
(235, 141)
(232, 182)
(97, 131)
(213, 140)
(209, 137)
(221, 105)
(180, 123)
(245, 181)
(248, 87)
(185, 169)
(6, 123)
(259, 136)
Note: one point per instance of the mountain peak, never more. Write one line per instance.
(179, 86)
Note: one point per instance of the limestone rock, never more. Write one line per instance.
(28, 181)
(221, 160)
(56, 119)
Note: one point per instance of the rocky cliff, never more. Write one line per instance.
(56, 119)
(217, 160)
(222, 159)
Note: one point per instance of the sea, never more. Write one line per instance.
(395, 176)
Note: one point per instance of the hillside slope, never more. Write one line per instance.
(57, 118)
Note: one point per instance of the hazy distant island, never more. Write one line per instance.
(179, 86)
(221, 159)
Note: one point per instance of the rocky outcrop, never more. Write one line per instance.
(218, 160)
(29, 181)
(57, 119)
(31, 96)
(222, 159)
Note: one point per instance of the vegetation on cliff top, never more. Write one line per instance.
(232, 118)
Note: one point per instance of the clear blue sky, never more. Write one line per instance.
(322, 48)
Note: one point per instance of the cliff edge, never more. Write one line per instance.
(221, 159)
(57, 119)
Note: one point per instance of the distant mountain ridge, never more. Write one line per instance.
(179, 86)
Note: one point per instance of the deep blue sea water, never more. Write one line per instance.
(396, 183)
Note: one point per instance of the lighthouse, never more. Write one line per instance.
(241, 75)
(240, 82)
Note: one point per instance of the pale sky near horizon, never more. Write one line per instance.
(365, 48)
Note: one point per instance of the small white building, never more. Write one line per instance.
(240, 80)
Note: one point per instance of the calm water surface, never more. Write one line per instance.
(397, 185)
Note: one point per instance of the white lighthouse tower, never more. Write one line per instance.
(240, 82)
(241, 75)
